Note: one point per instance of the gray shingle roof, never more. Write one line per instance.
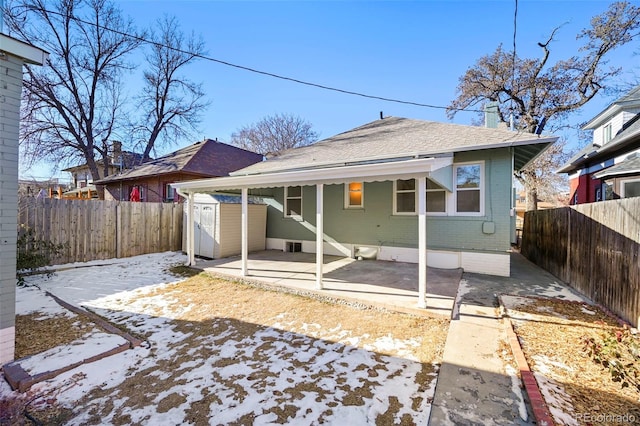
(625, 140)
(628, 167)
(395, 137)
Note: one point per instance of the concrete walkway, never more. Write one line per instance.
(475, 386)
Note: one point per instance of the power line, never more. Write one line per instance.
(266, 73)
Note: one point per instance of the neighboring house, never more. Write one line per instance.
(153, 179)
(609, 167)
(81, 175)
(51, 188)
(392, 189)
(14, 54)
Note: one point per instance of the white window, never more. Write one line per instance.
(293, 201)
(404, 196)
(169, 192)
(469, 190)
(436, 198)
(354, 195)
(630, 188)
(606, 133)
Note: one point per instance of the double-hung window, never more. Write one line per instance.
(293, 201)
(469, 188)
(436, 198)
(404, 201)
(354, 195)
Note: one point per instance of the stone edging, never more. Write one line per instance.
(20, 380)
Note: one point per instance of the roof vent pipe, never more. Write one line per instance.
(381, 115)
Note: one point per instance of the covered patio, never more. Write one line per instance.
(390, 285)
(436, 168)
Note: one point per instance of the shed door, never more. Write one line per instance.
(206, 226)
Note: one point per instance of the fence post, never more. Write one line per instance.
(118, 230)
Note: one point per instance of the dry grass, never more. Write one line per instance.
(218, 298)
(217, 306)
(215, 302)
(36, 334)
(552, 335)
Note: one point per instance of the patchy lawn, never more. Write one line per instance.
(220, 352)
(562, 342)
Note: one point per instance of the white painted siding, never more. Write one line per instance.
(10, 89)
(486, 263)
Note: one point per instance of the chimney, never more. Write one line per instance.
(117, 153)
(491, 115)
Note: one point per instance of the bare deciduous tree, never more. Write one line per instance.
(170, 104)
(541, 95)
(72, 104)
(275, 133)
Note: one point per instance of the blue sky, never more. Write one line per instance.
(414, 51)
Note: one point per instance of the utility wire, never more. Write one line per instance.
(266, 73)
(513, 58)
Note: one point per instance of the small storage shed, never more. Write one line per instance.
(218, 228)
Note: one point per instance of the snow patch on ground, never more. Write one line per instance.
(90, 345)
(310, 370)
(558, 401)
(463, 288)
(517, 390)
(545, 365)
(587, 311)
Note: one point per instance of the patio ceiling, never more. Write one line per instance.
(381, 171)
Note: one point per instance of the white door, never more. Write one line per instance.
(206, 227)
(196, 229)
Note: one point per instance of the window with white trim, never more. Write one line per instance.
(354, 195)
(436, 198)
(469, 188)
(630, 188)
(404, 196)
(169, 192)
(606, 133)
(293, 201)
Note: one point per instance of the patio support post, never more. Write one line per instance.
(422, 242)
(245, 231)
(319, 234)
(191, 257)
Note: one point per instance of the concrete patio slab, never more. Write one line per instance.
(391, 285)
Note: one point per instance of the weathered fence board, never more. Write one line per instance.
(94, 230)
(595, 248)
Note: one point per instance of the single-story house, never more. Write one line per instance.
(609, 167)
(395, 189)
(154, 179)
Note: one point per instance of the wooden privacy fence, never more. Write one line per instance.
(93, 230)
(595, 248)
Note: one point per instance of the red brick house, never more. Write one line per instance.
(609, 167)
(153, 179)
